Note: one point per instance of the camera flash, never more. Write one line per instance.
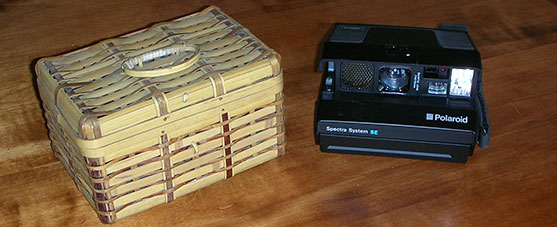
(461, 82)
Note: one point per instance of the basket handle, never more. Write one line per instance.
(135, 66)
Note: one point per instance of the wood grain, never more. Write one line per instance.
(513, 182)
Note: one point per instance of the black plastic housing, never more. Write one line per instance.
(421, 117)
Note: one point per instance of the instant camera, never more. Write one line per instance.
(401, 92)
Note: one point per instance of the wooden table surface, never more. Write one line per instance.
(513, 182)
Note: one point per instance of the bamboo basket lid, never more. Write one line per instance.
(150, 73)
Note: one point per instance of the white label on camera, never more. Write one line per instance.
(416, 84)
(446, 118)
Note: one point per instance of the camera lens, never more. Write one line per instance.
(393, 79)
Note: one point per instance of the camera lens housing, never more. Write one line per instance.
(394, 79)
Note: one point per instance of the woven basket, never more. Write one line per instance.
(142, 119)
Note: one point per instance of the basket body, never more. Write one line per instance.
(131, 143)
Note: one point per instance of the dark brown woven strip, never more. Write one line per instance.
(280, 119)
(228, 149)
(167, 168)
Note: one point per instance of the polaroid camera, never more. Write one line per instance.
(401, 92)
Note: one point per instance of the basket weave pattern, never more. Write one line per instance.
(131, 143)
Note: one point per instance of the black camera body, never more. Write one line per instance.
(401, 92)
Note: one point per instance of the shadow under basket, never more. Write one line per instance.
(142, 119)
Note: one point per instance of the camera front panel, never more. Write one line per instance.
(383, 78)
